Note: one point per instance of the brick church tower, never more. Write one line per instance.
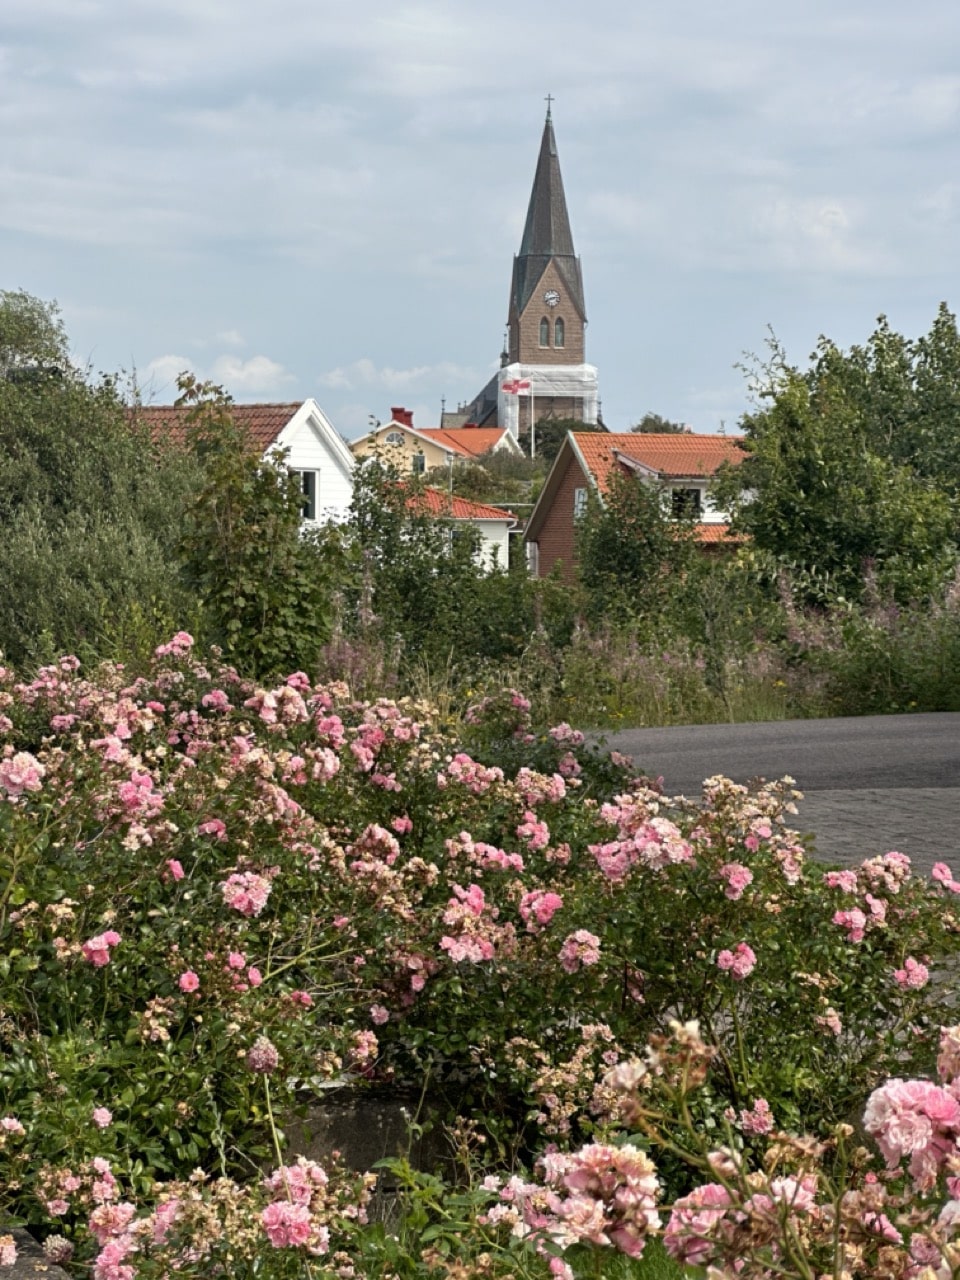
(543, 372)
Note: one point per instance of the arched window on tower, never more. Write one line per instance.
(558, 334)
(544, 332)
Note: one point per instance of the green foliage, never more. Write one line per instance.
(633, 552)
(261, 581)
(416, 576)
(32, 336)
(654, 424)
(90, 511)
(551, 433)
(852, 462)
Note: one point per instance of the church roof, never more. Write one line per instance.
(546, 234)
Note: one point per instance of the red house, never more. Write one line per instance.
(684, 464)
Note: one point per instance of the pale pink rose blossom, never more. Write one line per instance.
(287, 1225)
(913, 975)
(19, 773)
(189, 981)
(97, 949)
(580, 948)
(739, 963)
(102, 1118)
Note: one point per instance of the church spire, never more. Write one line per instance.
(546, 233)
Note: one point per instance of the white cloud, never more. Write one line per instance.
(364, 373)
(242, 378)
(158, 382)
(255, 376)
(231, 338)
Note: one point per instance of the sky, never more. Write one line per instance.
(317, 198)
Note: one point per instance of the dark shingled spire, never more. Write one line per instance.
(547, 233)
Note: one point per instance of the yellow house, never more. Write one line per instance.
(414, 451)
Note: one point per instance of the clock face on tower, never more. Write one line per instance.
(551, 297)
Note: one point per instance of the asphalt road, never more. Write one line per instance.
(870, 783)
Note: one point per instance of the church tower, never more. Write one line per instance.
(542, 371)
(547, 314)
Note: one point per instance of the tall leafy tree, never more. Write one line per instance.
(654, 424)
(90, 512)
(32, 334)
(634, 553)
(261, 581)
(846, 465)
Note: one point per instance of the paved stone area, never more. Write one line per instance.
(848, 826)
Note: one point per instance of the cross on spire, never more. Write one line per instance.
(548, 99)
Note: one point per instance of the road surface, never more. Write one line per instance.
(870, 783)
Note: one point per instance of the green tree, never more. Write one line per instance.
(262, 581)
(32, 335)
(634, 553)
(654, 424)
(90, 510)
(551, 433)
(829, 483)
(416, 579)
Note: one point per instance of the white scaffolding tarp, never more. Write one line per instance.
(518, 382)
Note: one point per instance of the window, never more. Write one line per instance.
(307, 481)
(394, 437)
(579, 503)
(544, 332)
(418, 464)
(685, 503)
(558, 333)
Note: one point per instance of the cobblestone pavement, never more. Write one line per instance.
(847, 826)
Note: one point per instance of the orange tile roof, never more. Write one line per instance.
(671, 455)
(715, 534)
(261, 423)
(438, 503)
(472, 442)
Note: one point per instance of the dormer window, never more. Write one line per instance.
(544, 332)
(558, 332)
(394, 437)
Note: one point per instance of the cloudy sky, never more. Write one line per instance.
(318, 198)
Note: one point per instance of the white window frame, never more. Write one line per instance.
(309, 484)
(393, 438)
(579, 503)
(418, 464)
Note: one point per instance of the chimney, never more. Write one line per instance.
(401, 415)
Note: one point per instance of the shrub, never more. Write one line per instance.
(223, 900)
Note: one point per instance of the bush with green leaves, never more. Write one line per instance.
(261, 580)
(90, 509)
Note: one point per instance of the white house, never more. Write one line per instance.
(492, 524)
(315, 451)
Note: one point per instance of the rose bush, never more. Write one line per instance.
(221, 900)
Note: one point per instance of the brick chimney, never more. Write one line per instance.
(401, 415)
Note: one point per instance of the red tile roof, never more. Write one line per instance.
(472, 442)
(671, 456)
(437, 503)
(714, 534)
(261, 423)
